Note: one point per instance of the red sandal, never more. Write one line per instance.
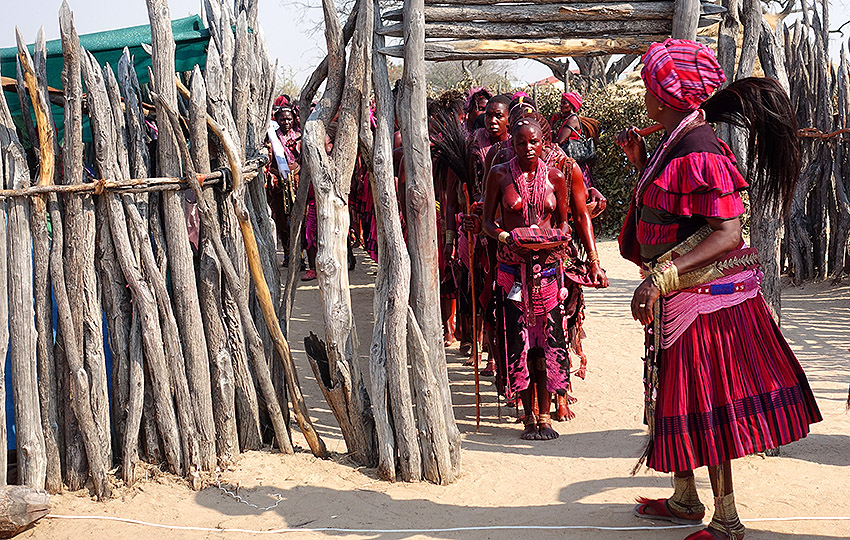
(662, 511)
(705, 535)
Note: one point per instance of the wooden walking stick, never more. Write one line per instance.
(470, 238)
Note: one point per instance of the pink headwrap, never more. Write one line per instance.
(574, 98)
(281, 101)
(681, 73)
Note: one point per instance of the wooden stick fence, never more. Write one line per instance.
(192, 328)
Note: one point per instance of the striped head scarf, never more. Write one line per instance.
(681, 73)
(574, 99)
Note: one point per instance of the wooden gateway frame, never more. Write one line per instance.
(404, 423)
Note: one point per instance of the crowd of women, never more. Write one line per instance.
(523, 214)
(515, 203)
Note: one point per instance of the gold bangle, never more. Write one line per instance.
(503, 237)
(666, 277)
(593, 257)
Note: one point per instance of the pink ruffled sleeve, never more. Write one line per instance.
(699, 184)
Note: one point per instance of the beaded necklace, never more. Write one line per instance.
(532, 191)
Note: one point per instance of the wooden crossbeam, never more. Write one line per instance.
(550, 12)
(502, 30)
(466, 49)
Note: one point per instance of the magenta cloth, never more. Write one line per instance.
(311, 225)
(682, 308)
(290, 145)
(574, 98)
(729, 387)
(281, 101)
(681, 73)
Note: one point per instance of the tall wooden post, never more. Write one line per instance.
(442, 460)
(685, 19)
(185, 288)
(391, 392)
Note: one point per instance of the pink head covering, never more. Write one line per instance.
(574, 98)
(519, 95)
(280, 101)
(681, 73)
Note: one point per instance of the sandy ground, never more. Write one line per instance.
(580, 479)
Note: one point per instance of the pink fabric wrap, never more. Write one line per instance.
(682, 308)
(574, 98)
(698, 184)
(681, 73)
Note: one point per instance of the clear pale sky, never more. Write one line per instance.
(289, 26)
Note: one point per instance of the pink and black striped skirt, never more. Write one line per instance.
(728, 387)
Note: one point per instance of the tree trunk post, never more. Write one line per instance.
(685, 19)
(422, 246)
(184, 285)
(388, 356)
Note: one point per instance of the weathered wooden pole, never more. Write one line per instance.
(388, 355)
(184, 286)
(47, 391)
(103, 128)
(80, 276)
(209, 289)
(130, 385)
(247, 406)
(254, 343)
(841, 180)
(441, 459)
(20, 507)
(7, 129)
(331, 178)
(299, 207)
(93, 438)
(686, 18)
(32, 465)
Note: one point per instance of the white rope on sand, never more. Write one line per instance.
(422, 531)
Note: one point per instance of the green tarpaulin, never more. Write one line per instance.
(190, 37)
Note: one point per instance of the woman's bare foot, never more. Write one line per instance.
(544, 428)
(563, 412)
(530, 433)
